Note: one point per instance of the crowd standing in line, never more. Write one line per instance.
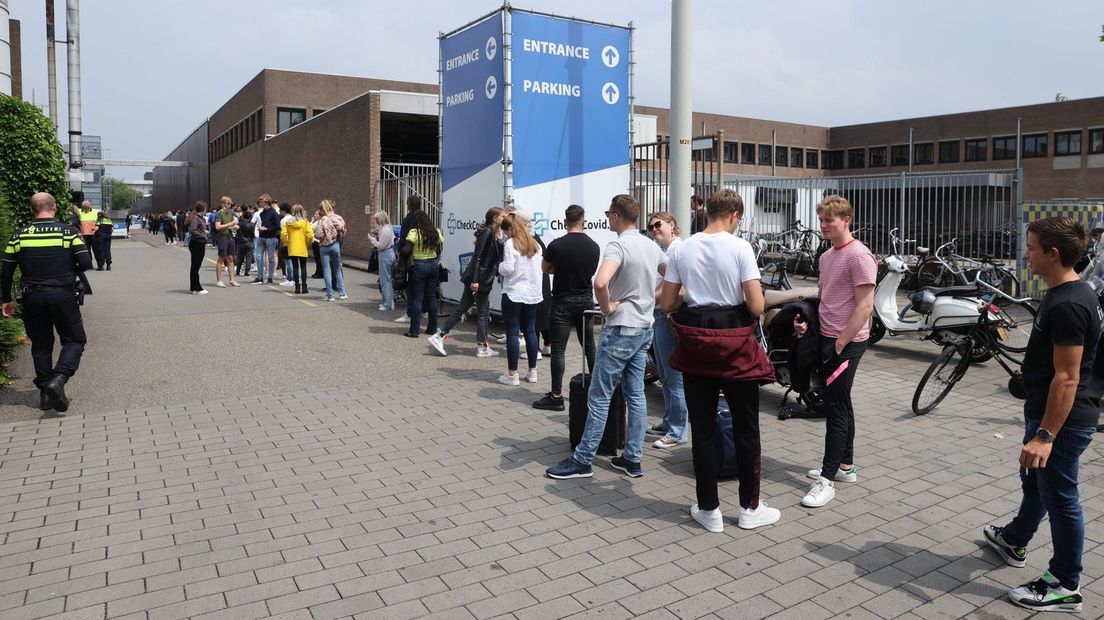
(521, 294)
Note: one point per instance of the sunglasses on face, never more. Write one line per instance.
(656, 225)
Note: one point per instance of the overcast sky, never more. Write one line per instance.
(152, 70)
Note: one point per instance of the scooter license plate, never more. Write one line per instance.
(1003, 335)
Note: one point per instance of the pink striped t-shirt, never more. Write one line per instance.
(841, 271)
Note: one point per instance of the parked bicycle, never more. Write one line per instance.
(998, 333)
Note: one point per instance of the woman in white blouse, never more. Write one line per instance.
(521, 292)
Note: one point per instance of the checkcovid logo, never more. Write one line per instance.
(540, 223)
(453, 224)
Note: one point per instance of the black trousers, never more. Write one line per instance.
(316, 250)
(299, 271)
(102, 245)
(839, 438)
(93, 247)
(702, 395)
(44, 312)
(244, 257)
(567, 314)
(197, 247)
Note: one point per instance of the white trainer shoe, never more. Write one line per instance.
(711, 520)
(485, 351)
(763, 515)
(220, 284)
(532, 376)
(234, 283)
(437, 341)
(820, 494)
(402, 319)
(508, 379)
(842, 475)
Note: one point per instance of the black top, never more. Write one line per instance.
(485, 259)
(575, 257)
(270, 219)
(407, 224)
(1070, 314)
(47, 252)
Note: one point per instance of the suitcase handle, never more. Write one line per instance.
(593, 312)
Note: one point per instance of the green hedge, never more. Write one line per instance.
(31, 160)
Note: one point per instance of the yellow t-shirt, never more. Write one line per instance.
(421, 252)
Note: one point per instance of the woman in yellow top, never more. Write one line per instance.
(297, 235)
(423, 243)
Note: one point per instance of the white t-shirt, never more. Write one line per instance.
(712, 268)
(256, 224)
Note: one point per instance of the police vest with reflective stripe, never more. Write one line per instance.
(44, 251)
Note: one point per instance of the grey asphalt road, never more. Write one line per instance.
(152, 343)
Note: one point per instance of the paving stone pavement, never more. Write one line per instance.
(425, 498)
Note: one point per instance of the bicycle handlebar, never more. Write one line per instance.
(985, 285)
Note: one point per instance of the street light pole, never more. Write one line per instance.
(682, 86)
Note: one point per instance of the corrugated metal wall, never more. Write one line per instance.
(180, 188)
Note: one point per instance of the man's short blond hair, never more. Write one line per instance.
(836, 206)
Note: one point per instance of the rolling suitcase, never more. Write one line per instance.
(613, 439)
(725, 446)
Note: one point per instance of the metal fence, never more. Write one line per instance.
(400, 181)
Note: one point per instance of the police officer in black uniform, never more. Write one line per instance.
(49, 255)
(102, 239)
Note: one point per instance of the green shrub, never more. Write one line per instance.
(31, 160)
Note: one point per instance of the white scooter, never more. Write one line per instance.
(945, 314)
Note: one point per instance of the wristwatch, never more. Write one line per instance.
(1044, 435)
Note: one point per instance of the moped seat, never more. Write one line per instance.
(921, 250)
(775, 298)
(953, 291)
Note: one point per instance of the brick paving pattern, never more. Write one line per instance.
(425, 498)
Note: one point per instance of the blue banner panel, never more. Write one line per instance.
(471, 84)
(570, 98)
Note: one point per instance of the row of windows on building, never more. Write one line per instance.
(251, 129)
(1066, 143)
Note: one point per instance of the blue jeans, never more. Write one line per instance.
(674, 398)
(519, 319)
(387, 285)
(265, 249)
(1052, 491)
(331, 264)
(622, 355)
(422, 287)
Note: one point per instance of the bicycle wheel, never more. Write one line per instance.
(940, 377)
(1014, 329)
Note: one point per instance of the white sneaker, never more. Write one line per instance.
(384, 308)
(508, 379)
(485, 351)
(287, 283)
(437, 341)
(820, 494)
(220, 284)
(343, 297)
(665, 442)
(234, 283)
(711, 520)
(500, 339)
(203, 292)
(532, 376)
(763, 515)
(842, 475)
(403, 319)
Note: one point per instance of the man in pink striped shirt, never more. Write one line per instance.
(848, 273)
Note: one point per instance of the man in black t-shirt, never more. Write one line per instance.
(572, 260)
(1063, 387)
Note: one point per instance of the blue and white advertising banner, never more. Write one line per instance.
(570, 118)
(472, 179)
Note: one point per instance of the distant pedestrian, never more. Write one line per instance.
(330, 235)
(226, 225)
(673, 428)
(197, 244)
(168, 226)
(423, 246)
(285, 258)
(382, 238)
(244, 238)
(104, 229)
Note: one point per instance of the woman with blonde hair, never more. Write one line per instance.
(331, 232)
(673, 429)
(521, 293)
(296, 234)
(382, 237)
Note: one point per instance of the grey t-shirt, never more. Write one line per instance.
(634, 282)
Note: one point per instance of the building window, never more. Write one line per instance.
(977, 149)
(1096, 140)
(833, 160)
(948, 152)
(856, 158)
(898, 155)
(781, 156)
(811, 159)
(1067, 142)
(731, 152)
(1004, 147)
(797, 157)
(764, 155)
(924, 154)
(877, 157)
(286, 118)
(1035, 145)
(747, 153)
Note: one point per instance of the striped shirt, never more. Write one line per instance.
(842, 270)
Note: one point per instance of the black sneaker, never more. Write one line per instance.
(548, 402)
(631, 469)
(1046, 594)
(656, 430)
(257, 281)
(1013, 556)
(43, 401)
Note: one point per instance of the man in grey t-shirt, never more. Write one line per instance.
(625, 290)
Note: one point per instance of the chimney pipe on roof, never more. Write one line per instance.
(72, 25)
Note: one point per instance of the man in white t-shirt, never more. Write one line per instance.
(712, 281)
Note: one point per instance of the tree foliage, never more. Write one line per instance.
(121, 195)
